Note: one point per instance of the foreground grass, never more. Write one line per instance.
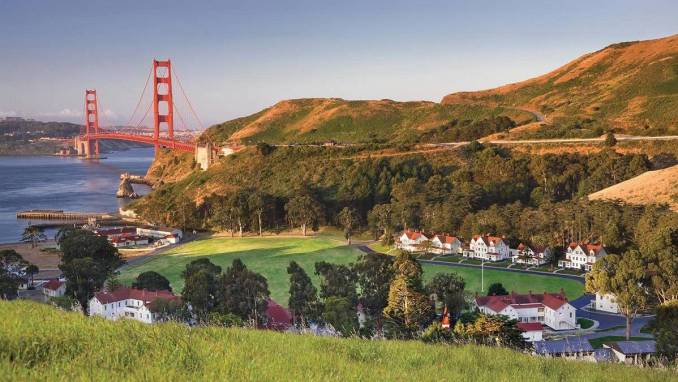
(38, 342)
(270, 256)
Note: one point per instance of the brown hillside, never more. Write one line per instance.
(651, 187)
(630, 86)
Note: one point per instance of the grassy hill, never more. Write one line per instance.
(322, 119)
(270, 256)
(651, 187)
(630, 86)
(38, 342)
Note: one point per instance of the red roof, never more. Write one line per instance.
(521, 301)
(413, 235)
(587, 247)
(279, 318)
(530, 326)
(446, 239)
(144, 295)
(53, 284)
(487, 239)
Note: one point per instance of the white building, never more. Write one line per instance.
(550, 309)
(531, 255)
(532, 331)
(490, 248)
(54, 288)
(582, 256)
(162, 234)
(632, 352)
(446, 244)
(606, 303)
(136, 304)
(411, 241)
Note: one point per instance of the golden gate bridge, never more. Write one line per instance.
(163, 105)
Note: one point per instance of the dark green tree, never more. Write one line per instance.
(33, 234)
(341, 314)
(336, 280)
(374, 274)
(664, 327)
(448, 289)
(245, 293)
(348, 219)
(30, 271)
(610, 139)
(303, 302)
(87, 260)
(497, 289)
(201, 288)
(303, 211)
(151, 280)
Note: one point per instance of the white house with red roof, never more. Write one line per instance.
(532, 331)
(131, 303)
(445, 244)
(550, 309)
(54, 288)
(606, 303)
(490, 248)
(411, 241)
(582, 256)
(530, 254)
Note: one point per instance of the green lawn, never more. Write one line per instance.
(512, 281)
(584, 323)
(269, 256)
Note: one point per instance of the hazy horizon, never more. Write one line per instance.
(234, 59)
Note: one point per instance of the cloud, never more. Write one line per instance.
(9, 113)
(68, 113)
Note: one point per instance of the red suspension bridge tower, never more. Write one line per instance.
(163, 106)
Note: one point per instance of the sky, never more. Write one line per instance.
(235, 58)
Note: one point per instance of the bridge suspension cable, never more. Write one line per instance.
(136, 108)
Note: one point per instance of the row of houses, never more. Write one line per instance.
(494, 248)
(629, 352)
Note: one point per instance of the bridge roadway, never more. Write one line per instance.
(174, 144)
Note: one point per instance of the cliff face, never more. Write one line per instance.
(170, 166)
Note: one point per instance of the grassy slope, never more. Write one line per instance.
(322, 119)
(629, 85)
(38, 342)
(271, 255)
(652, 187)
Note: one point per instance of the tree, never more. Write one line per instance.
(340, 312)
(303, 210)
(497, 289)
(336, 280)
(374, 274)
(348, 218)
(493, 330)
(380, 220)
(449, 291)
(245, 293)
(664, 327)
(257, 203)
(31, 270)
(610, 139)
(201, 291)
(113, 283)
(151, 280)
(87, 260)
(33, 234)
(621, 276)
(409, 310)
(659, 248)
(12, 265)
(303, 302)
(237, 203)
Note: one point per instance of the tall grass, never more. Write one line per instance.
(38, 342)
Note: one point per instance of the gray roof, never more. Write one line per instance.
(634, 347)
(604, 355)
(567, 345)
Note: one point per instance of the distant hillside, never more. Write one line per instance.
(41, 343)
(322, 119)
(630, 86)
(651, 187)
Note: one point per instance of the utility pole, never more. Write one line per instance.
(482, 275)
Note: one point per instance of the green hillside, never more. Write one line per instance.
(322, 119)
(631, 86)
(38, 342)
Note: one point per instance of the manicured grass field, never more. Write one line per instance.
(512, 281)
(270, 256)
(42, 343)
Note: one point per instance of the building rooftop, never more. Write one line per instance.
(634, 347)
(569, 345)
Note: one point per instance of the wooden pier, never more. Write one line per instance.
(61, 215)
